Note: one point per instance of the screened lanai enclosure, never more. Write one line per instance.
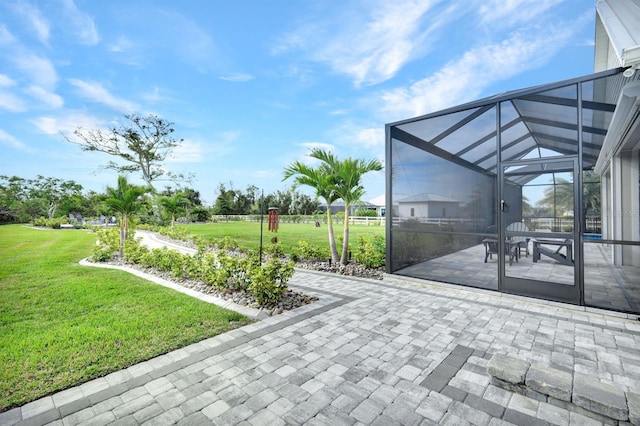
(533, 192)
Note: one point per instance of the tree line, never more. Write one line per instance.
(23, 200)
(232, 201)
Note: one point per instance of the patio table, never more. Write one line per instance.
(564, 258)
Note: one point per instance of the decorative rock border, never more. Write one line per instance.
(571, 391)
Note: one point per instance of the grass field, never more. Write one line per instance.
(62, 324)
(247, 234)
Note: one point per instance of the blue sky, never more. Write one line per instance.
(254, 85)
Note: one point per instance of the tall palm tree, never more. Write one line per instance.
(124, 201)
(334, 179)
(323, 180)
(350, 189)
(174, 205)
(558, 196)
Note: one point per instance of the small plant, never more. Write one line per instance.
(226, 243)
(366, 213)
(305, 251)
(274, 250)
(54, 223)
(269, 282)
(134, 252)
(107, 245)
(370, 253)
(236, 270)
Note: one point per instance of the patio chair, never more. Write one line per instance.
(491, 246)
(519, 241)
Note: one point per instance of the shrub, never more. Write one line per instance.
(222, 270)
(226, 243)
(370, 253)
(134, 252)
(269, 282)
(274, 250)
(366, 213)
(305, 251)
(55, 223)
(107, 245)
(39, 221)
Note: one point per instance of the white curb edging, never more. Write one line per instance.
(244, 310)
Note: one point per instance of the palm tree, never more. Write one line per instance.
(591, 202)
(332, 180)
(558, 196)
(125, 201)
(174, 205)
(323, 180)
(350, 189)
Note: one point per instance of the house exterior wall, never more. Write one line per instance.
(429, 209)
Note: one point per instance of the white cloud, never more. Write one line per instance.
(287, 42)
(67, 123)
(80, 23)
(6, 81)
(211, 148)
(40, 70)
(96, 92)
(368, 41)
(317, 145)
(10, 141)
(465, 78)
(190, 41)
(122, 44)
(188, 151)
(237, 77)
(49, 99)
(154, 96)
(513, 12)
(370, 138)
(6, 37)
(373, 51)
(303, 156)
(11, 103)
(34, 18)
(267, 174)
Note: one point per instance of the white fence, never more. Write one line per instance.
(353, 220)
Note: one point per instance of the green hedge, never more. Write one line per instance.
(222, 269)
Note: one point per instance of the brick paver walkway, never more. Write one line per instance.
(368, 352)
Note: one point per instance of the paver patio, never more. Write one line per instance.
(368, 352)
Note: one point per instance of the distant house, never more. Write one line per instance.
(338, 206)
(428, 206)
(380, 203)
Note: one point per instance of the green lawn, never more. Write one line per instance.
(62, 324)
(247, 234)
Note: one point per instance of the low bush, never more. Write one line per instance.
(370, 252)
(305, 251)
(107, 245)
(366, 213)
(274, 249)
(269, 282)
(54, 223)
(222, 269)
(226, 243)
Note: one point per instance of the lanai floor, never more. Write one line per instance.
(606, 285)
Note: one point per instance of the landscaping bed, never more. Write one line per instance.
(351, 269)
(290, 299)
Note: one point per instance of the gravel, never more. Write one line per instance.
(290, 300)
